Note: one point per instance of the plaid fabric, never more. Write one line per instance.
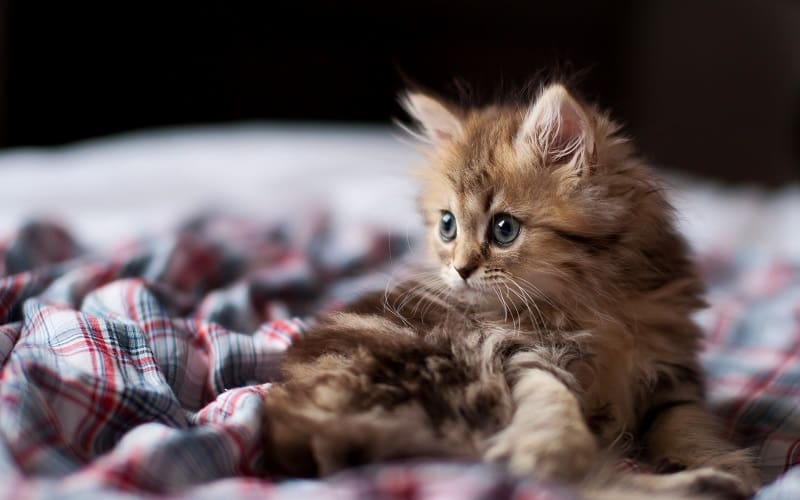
(752, 353)
(143, 370)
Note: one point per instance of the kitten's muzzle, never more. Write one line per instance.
(466, 271)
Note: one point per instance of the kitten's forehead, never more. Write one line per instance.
(473, 209)
(483, 165)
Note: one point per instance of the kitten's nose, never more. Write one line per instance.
(466, 271)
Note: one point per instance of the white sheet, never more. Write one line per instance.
(116, 187)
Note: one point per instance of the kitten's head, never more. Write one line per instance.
(534, 201)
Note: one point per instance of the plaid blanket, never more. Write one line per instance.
(142, 370)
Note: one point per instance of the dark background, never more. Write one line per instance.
(710, 87)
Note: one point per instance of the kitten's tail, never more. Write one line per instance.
(309, 442)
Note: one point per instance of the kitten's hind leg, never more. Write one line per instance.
(686, 436)
(706, 483)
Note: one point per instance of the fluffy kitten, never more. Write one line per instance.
(556, 323)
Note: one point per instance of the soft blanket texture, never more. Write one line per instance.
(143, 369)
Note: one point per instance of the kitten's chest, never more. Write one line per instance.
(612, 386)
(602, 362)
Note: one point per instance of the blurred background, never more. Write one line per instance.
(712, 88)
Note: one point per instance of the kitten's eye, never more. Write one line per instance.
(447, 226)
(505, 229)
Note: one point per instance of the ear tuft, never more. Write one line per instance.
(558, 128)
(438, 124)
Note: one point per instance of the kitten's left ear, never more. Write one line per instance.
(438, 124)
(558, 128)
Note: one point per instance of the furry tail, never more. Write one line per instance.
(309, 442)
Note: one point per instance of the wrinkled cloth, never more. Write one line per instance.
(143, 370)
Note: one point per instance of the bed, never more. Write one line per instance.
(150, 282)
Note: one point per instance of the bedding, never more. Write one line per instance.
(135, 364)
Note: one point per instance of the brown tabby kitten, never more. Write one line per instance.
(556, 323)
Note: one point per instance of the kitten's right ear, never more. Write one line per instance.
(559, 129)
(437, 124)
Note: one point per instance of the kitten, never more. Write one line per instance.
(555, 324)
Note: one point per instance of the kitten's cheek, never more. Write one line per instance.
(445, 274)
(546, 283)
(452, 279)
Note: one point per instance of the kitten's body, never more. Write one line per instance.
(573, 337)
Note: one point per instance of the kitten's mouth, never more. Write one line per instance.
(462, 286)
(468, 292)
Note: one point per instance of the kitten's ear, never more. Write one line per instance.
(437, 124)
(558, 128)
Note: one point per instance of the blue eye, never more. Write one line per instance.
(505, 229)
(447, 226)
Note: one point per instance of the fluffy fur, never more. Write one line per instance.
(572, 341)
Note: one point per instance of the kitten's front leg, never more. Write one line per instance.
(547, 436)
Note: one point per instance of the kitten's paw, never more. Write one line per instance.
(706, 482)
(715, 483)
(746, 472)
(732, 474)
(546, 454)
